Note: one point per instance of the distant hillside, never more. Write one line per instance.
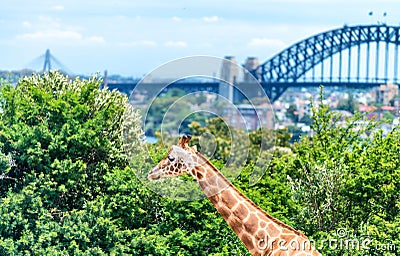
(14, 76)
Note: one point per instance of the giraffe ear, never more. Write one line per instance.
(184, 140)
(194, 147)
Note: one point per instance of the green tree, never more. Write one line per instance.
(171, 110)
(306, 119)
(296, 133)
(347, 176)
(69, 189)
(65, 131)
(59, 139)
(348, 104)
(292, 113)
(73, 168)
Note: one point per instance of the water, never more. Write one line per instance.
(151, 139)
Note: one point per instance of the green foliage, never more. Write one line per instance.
(271, 192)
(306, 119)
(167, 109)
(65, 132)
(59, 138)
(226, 140)
(73, 163)
(347, 176)
(67, 188)
(159, 107)
(296, 133)
(348, 104)
(292, 113)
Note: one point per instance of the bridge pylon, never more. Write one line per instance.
(47, 61)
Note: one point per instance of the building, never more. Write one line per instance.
(385, 93)
(229, 76)
(229, 70)
(303, 108)
(251, 70)
(250, 117)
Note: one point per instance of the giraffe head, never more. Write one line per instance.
(178, 161)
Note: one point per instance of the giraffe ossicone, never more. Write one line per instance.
(261, 233)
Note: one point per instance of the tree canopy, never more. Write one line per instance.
(70, 154)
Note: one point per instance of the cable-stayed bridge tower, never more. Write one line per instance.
(47, 62)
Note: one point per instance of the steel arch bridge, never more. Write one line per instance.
(350, 56)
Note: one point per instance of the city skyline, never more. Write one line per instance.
(133, 38)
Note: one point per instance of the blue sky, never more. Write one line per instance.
(133, 37)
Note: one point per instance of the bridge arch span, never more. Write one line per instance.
(293, 63)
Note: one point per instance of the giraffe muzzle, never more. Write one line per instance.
(154, 174)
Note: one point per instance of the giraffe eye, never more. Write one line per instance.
(171, 158)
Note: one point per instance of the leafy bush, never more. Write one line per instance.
(71, 156)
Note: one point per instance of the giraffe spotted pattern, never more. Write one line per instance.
(261, 233)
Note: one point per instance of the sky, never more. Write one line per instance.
(134, 37)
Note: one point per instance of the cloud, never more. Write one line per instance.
(176, 19)
(26, 24)
(48, 19)
(49, 28)
(52, 34)
(61, 35)
(266, 42)
(96, 39)
(180, 44)
(58, 8)
(139, 43)
(49, 22)
(212, 19)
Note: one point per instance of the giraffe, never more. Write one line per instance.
(261, 233)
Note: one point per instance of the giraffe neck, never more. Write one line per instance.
(261, 233)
